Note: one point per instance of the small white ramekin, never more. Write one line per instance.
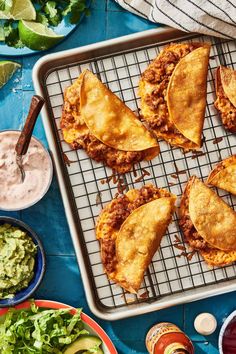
(49, 180)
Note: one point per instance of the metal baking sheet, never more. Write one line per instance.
(86, 186)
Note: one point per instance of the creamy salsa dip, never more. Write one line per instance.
(38, 172)
(17, 260)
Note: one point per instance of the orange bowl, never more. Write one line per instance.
(91, 325)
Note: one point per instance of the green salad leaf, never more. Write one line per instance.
(39, 331)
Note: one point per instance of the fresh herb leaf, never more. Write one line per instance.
(5, 5)
(39, 331)
(41, 18)
(50, 9)
(11, 35)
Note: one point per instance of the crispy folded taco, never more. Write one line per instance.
(173, 93)
(208, 223)
(224, 175)
(225, 83)
(98, 121)
(130, 229)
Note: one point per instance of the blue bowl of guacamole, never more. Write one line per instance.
(22, 261)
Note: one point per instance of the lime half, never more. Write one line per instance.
(20, 10)
(36, 36)
(7, 69)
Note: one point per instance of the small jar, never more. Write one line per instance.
(167, 338)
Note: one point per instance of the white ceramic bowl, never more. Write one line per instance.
(47, 184)
(222, 330)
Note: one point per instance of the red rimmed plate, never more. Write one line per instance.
(90, 324)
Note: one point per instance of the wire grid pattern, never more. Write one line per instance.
(169, 272)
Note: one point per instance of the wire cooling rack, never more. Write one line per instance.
(174, 269)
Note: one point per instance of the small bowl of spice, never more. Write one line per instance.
(22, 261)
(15, 193)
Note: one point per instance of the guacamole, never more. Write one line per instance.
(17, 260)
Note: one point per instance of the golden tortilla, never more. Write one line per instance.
(130, 229)
(186, 94)
(109, 119)
(138, 240)
(79, 136)
(224, 175)
(228, 79)
(173, 93)
(222, 103)
(213, 219)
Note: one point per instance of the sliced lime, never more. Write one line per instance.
(4, 15)
(20, 10)
(23, 10)
(2, 34)
(36, 36)
(7, 69)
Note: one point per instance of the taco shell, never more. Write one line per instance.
(95, 120)
(228, 79)
(109, 119)
(130, 229)
(208, 224)
(186, 94)
(225, 103)
(173, 93)
(224, 175)
(138, 240)
(213, 219)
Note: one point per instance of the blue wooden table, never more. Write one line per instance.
(62, 281)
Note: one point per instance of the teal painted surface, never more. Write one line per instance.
(62, 281)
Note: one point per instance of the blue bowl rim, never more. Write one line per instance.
(35, 237)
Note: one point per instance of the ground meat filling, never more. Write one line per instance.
(158, 74)
(121, 161)
(190, 233)
(118, 211)
(227, 110)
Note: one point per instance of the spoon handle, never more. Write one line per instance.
(22, 145)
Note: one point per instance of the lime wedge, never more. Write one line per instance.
(2, 35)
(23, 10)
(20, 10)
(7, 69)
(36, 36)
(4, 15)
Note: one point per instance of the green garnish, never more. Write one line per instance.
(48, 13)
(39, 331)
(17, 254)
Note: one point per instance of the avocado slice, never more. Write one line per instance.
(100, 351)
(84, 343)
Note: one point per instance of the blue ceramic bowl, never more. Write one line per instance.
(39, 269)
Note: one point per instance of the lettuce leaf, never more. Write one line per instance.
(39, 331)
